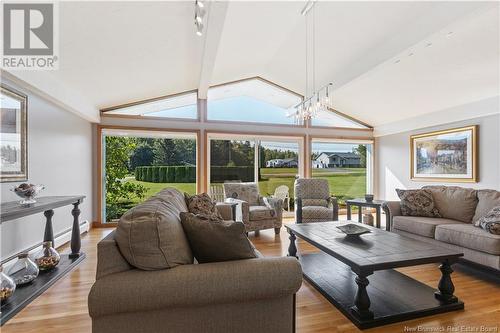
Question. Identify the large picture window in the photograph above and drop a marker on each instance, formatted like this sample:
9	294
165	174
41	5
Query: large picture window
136	165
346	166
272	162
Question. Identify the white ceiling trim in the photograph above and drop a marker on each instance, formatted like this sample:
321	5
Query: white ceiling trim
55	91
482	108
216	17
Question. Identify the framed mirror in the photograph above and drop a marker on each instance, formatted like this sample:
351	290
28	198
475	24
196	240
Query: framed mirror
13	135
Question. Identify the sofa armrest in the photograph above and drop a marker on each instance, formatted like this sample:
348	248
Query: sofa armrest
195	285
109	257
335	206
275	204
242	210
298	210
391	209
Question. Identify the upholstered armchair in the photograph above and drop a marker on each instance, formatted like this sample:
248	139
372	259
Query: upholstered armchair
256	212
313	202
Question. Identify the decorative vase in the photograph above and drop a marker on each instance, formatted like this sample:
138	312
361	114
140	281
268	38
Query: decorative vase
23	271
47	258
368	218
27	192
7	286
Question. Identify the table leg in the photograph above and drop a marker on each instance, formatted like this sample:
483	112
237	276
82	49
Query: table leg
378	217
362	302
360	214
445	286
292	249
76	242
348	206
48	235
387	220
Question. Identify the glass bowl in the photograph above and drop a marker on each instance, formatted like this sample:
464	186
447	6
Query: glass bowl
23	271
47	258
27	192
7	286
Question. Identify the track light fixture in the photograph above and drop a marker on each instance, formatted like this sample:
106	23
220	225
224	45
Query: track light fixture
199	12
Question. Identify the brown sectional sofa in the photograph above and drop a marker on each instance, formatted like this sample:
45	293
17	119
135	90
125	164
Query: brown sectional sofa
244	296
460	208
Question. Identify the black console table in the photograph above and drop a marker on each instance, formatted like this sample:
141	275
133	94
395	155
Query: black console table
13	210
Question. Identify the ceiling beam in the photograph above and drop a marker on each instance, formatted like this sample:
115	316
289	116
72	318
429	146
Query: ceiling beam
216	16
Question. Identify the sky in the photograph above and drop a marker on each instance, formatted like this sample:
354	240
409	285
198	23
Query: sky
249	109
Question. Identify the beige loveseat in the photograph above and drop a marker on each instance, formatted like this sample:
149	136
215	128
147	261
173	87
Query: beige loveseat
460	208
253	295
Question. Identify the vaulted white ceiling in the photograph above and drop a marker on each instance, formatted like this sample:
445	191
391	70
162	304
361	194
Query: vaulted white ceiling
117	52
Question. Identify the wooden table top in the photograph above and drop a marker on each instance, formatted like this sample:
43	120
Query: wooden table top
13	209
373	251
362	201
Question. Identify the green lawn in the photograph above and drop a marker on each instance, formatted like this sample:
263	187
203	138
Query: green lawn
154	188
345	183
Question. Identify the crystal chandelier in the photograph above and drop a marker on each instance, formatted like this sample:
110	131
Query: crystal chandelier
320	100
310	107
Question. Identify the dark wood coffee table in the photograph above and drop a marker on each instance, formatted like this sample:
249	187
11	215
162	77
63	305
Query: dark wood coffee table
340	272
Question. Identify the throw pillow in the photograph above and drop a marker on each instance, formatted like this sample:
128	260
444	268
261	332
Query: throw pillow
491	221
214	241
417	203
150	235
202	205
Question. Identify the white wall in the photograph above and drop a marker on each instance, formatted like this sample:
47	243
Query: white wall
393	157
60	157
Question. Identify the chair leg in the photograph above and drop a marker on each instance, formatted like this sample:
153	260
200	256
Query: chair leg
257	232
277	231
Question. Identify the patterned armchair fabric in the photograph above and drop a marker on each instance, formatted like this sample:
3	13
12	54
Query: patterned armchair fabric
313	202
256	212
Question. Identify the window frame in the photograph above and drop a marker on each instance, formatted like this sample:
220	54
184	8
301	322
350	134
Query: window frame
254	123
100	186
105	111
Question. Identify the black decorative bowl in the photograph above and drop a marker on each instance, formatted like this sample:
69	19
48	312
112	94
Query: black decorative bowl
353	229
369	197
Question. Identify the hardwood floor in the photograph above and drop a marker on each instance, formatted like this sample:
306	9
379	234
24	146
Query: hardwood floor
63	308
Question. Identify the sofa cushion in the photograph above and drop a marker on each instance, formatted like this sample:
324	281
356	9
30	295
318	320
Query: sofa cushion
202	204
417	203
491	221
454	202
423	226
315	202
487	200
317	212
248	192
469	236
257	213
214	241
150	235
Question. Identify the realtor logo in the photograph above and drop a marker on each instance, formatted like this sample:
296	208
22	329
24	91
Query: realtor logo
29	36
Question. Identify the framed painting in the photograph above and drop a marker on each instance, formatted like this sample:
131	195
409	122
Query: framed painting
446	156
13	135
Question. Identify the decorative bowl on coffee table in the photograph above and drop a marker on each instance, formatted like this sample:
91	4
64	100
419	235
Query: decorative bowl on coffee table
353	230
